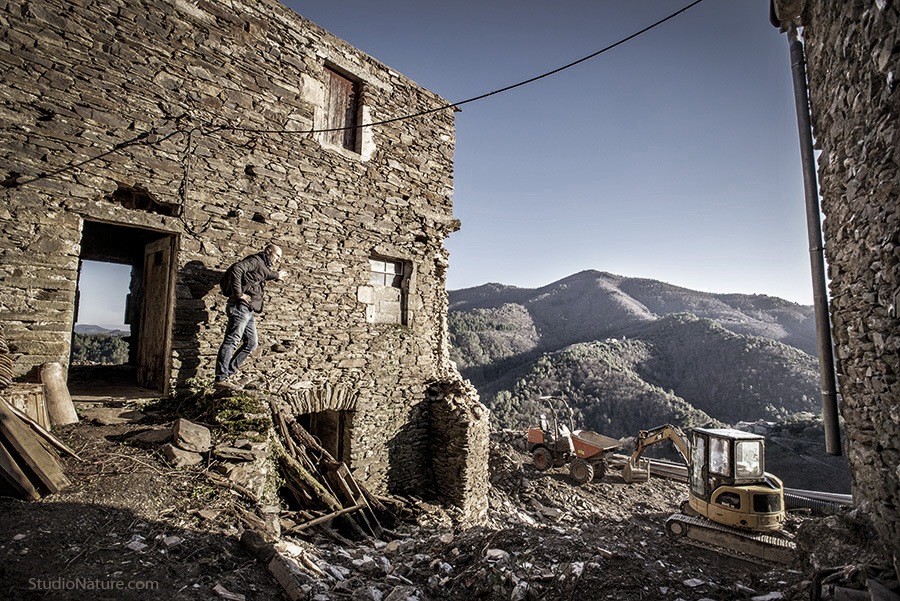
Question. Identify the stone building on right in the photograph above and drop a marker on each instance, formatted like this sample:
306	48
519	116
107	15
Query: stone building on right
853	73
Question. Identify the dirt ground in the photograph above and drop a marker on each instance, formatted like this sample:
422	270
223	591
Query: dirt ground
133	527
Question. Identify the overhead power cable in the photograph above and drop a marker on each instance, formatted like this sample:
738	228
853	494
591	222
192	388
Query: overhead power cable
581	60
453	105
147	139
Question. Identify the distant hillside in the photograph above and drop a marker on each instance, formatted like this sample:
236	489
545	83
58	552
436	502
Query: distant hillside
602	384
110	349
629	354
91	329
730	376
592	305
698	356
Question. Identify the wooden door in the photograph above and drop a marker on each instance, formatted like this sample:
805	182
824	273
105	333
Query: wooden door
154	341
341	100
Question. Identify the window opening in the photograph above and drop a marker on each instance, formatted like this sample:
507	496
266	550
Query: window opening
341	110
718	456
386	273
101	325
387	288
748	459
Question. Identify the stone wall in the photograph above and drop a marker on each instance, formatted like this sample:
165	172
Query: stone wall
460	448
177	117
853	54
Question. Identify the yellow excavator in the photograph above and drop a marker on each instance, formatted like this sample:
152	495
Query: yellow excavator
733	505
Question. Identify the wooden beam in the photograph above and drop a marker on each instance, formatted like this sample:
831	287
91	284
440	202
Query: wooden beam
344	480
24	443
43	432
15	478
324	518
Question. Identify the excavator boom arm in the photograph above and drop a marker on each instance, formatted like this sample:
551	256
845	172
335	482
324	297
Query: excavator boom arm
647	438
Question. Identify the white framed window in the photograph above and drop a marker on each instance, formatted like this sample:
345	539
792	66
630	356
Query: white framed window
385	296
386	273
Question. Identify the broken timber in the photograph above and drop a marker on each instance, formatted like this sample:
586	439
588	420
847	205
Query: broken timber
304	484
43	433
343	479
322	519
337	482
27	467
14	477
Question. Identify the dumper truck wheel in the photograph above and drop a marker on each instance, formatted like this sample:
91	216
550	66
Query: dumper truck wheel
600	470
581	471
543	458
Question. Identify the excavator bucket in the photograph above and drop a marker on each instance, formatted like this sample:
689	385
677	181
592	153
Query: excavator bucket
639	472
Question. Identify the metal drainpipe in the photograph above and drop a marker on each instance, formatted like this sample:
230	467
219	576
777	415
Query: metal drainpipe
816	250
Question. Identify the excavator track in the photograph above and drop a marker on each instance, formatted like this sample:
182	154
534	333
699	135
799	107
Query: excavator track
758	548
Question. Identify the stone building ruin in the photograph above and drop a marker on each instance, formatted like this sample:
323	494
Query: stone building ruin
165	135
853	55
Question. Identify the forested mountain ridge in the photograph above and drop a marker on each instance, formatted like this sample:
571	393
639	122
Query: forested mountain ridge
693	355
602	384
591	305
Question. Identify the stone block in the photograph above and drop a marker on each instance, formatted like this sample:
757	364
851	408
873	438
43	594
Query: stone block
179	457
191	437
152	436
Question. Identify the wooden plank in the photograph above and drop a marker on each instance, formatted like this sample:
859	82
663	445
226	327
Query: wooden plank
344	479
322	519
43	433
15	478
23	442
154	342
361	497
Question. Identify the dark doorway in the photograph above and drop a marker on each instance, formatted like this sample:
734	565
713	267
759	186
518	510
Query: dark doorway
332	431
148	307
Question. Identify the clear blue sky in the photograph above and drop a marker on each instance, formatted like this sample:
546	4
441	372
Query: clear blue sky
673	157
103	287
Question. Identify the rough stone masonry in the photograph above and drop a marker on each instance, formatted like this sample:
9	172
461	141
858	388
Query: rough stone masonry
164	134
853	51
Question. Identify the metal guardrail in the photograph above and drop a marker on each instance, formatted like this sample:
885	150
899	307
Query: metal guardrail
793	496
658	467
827	497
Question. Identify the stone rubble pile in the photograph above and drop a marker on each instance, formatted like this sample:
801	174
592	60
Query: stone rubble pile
544	539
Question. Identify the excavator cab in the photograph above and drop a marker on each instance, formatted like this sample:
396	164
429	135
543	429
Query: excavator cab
733	503
728	481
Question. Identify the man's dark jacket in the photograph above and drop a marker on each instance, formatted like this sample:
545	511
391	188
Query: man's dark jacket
248	276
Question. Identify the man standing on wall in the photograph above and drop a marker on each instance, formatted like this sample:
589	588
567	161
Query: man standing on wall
243	284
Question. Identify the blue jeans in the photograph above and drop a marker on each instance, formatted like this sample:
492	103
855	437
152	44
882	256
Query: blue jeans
240	340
